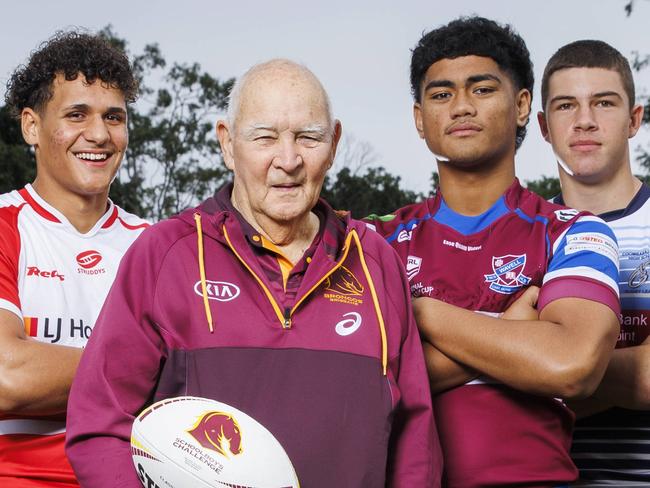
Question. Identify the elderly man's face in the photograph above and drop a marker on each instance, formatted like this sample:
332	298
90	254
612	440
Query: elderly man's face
282	145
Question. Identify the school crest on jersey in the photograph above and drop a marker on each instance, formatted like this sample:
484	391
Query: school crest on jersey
507	276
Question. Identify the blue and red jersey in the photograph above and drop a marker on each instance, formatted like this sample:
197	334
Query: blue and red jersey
491	434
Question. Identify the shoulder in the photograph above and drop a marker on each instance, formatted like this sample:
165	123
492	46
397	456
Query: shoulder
130	221
405	218
535	206
11	199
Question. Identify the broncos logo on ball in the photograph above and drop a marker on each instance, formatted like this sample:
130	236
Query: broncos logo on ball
218	431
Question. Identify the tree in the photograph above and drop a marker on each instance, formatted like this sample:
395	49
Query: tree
547	186
17	164
360	185
173	160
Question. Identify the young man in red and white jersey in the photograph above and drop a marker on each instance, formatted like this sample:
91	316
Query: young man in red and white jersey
476	254
61	240
589	116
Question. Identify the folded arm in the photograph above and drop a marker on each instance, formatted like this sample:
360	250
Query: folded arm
564	353
35	377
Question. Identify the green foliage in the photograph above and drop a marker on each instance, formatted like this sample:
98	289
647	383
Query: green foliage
547	186
17	165
375	191
173	160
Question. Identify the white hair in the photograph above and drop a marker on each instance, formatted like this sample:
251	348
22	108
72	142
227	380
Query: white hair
234	102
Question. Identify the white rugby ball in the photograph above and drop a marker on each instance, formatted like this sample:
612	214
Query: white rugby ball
187	442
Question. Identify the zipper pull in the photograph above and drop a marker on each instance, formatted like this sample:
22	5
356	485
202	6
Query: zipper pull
287	318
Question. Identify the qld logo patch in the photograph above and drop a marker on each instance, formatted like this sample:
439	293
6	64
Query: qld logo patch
508	275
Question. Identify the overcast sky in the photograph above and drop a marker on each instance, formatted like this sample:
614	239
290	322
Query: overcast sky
359	49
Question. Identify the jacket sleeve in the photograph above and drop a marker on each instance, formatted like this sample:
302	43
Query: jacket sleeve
415	456
116	376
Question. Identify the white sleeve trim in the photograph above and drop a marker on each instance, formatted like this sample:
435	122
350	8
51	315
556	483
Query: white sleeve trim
584	272
7	305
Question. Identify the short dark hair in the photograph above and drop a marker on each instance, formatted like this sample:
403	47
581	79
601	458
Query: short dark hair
69	53
588	53
475	36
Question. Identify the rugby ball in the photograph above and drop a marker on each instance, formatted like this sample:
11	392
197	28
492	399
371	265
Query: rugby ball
187	442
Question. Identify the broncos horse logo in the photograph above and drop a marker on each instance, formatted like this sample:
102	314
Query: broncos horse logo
218	431
343	282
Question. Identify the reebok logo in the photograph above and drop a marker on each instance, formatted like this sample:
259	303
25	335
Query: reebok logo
34	271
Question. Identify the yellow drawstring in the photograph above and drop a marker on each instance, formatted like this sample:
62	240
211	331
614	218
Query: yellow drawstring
375	301
204	288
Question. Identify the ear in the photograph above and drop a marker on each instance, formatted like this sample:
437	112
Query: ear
336	137
636	118
225	141
523	107
543	125
417	117
29	124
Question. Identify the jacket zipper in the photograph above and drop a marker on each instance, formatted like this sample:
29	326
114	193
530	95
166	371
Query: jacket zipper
285	318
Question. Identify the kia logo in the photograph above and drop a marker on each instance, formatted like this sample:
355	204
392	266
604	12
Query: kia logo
218	290
88	259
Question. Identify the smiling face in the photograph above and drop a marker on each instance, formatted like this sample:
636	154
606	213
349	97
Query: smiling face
470	111
282	144
588	121
79	138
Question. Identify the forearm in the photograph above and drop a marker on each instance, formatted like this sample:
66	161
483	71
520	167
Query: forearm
35	377
546	357
626	382
445	373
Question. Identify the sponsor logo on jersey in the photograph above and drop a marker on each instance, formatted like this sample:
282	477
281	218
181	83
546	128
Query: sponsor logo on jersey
462	247
404	235
640	275
218	431
343	287
565	214
413	264
34	271
348	326
54	329
592	242
88	261
507	276
217	290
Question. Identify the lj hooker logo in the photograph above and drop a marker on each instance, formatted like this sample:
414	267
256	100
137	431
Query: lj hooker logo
218	431
343	287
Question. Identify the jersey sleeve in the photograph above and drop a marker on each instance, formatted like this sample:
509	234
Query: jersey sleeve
584	264
9	257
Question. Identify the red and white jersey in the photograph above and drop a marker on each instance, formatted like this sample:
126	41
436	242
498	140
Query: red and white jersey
55	279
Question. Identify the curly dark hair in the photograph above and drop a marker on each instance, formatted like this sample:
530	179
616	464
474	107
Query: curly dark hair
475	36
68	53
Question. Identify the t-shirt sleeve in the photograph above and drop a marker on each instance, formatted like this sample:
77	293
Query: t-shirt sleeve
583	264
9	256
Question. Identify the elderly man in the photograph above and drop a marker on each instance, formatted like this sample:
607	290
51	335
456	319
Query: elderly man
305	314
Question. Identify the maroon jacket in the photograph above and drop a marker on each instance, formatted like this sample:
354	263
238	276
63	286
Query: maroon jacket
311	372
